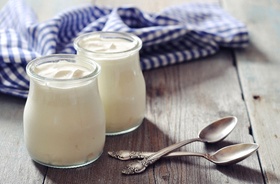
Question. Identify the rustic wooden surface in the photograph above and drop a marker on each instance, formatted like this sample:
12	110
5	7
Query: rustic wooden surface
259	71
181	100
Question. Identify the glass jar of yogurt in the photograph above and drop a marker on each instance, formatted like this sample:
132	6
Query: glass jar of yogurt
121	82
64	120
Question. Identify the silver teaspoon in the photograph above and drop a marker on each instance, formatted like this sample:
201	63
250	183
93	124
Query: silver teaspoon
224	156
212	133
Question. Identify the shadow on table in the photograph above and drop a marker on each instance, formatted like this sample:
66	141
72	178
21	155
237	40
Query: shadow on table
240	172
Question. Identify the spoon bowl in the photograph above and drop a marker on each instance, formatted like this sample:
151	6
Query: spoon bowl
218	130
232	154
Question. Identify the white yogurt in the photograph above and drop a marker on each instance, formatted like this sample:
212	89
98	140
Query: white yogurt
121	82
64	122
97	43
62	70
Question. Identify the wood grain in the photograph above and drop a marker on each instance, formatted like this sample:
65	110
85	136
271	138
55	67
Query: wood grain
259	68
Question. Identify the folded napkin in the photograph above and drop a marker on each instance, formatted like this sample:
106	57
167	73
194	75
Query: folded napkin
177	34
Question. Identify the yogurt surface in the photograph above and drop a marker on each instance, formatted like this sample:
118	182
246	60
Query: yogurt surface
97	43
62	70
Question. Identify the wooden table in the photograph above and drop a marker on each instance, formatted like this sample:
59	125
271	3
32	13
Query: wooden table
181	100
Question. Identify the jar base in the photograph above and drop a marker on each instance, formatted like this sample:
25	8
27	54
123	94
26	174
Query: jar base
124	131
68	166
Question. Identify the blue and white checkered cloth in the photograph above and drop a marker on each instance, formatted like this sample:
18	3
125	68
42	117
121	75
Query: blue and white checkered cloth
177	34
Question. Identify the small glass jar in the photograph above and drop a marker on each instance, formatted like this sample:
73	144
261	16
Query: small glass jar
121	82
64	120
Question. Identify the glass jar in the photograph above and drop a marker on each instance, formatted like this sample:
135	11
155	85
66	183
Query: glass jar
64	121
121	82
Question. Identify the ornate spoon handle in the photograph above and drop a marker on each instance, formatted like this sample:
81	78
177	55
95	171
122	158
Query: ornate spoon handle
140	166
129	155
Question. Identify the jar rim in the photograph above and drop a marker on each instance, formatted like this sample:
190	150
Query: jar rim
109	34
59	57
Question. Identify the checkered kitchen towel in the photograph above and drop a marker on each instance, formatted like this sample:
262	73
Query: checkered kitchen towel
177	34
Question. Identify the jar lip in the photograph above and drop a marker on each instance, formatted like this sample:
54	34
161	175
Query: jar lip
59	57
109	34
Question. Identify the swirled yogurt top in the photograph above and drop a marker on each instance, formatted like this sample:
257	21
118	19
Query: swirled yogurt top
96	43
62	70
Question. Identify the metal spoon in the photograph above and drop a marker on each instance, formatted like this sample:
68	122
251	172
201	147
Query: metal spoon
224	156
214	132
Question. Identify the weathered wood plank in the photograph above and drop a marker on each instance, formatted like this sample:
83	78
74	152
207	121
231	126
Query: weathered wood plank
259	68
15	163
195	94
